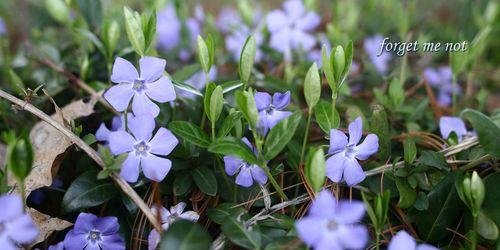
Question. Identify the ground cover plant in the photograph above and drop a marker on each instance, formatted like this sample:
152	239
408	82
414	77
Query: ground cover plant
302	124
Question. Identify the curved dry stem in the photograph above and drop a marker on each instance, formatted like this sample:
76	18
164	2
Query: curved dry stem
124	186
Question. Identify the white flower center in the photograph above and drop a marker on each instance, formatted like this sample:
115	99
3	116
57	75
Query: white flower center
350	151
141	148
139	85
332	225
94	237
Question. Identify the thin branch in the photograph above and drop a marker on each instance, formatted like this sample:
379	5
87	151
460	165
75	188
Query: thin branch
89	151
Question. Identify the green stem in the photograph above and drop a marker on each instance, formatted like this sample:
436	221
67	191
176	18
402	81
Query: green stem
306	134
275	184
334	101
474	234
23	192
377	240
203	118
213	131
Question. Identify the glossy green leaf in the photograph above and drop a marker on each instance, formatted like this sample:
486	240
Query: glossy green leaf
86	191
205	180
185	235
312	86
407	195
206	98
190	132
187	88
488	132
229	122
216	102
219	213
241	236
57	10
338	62
247	58
410	150
280	135
433	159
315	170
246	104
20	157
323	115
182	183
486	227
203	55
234	147
380	127
133	27
327	67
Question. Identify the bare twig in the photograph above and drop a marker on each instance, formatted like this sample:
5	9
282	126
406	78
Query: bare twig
89	151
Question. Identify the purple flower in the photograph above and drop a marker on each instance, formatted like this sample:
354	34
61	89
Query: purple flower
150	84
16	227
333	225
143	148
247	173
271	109
449	124
228	20
237	37
402	240
168	28
58	246
372	48
3	27
344	161
118	123
290	28
91	232
168	217
441	79
315	54
197	80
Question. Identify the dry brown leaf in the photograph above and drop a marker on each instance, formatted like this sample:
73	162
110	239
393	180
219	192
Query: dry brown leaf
46	224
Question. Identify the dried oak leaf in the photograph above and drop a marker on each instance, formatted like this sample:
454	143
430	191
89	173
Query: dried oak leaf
46	224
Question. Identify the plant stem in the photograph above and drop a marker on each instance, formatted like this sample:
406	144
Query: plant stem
377	240
474	234
23	192
275	184
213	131
334	101
306	134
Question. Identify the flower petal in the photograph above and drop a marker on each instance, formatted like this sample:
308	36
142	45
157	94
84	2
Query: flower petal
164	213
74	240
151	68
130	168
112	242
190	216
84	223
350	212
280	101
155	168
258	174
22	229
355	131
120	142
119	96
335	167
323	206
153	239
308	22
142	127
107	225
276	20
178	209
163	142
123	71
338	141
426	247
368	147
102	133
12	205
142	105
232	164
262	100
402	240
276	116
354	236
280	41
6	243
448	124
294	9
162	90
307	229
353	173
244	178
302	40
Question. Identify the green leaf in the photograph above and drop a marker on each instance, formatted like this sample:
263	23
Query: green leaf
410	150
488	132
187	88
327	67
246	104
92	11
492	197
241	236
230	86
280	135
380	127
211	48
86	191
486	227
433	159
458	61
182	183
93	38
110	36
396	92
219	214
20	157
247	58
338	62
323	115
205	180
133	27
190	132
57	10
149	29
312	86
216	102
233	147
407	195
229	122
349	52
206	98
185	235
203	55
315	168
444	211
421	203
